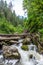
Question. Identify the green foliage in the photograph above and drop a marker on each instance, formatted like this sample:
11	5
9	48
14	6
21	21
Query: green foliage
19	29
6	11
9	22
41	31
35	14
5	26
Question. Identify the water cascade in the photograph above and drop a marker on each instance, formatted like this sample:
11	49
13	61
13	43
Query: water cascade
30	57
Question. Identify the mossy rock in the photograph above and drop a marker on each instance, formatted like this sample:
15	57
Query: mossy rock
25	47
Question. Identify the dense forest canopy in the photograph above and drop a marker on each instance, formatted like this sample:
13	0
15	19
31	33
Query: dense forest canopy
11	23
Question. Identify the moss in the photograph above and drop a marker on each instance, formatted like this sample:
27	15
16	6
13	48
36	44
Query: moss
24	47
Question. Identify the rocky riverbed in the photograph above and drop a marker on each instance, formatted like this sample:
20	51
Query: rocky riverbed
23	51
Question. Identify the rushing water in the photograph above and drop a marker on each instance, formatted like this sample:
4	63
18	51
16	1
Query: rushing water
36	58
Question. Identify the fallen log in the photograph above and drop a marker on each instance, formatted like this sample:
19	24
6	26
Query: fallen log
14	35
9	38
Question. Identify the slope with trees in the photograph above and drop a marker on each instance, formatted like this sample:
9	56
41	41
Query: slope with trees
34	9
9	22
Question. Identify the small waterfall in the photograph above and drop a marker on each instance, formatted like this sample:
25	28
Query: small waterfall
32	47
30	57
25	60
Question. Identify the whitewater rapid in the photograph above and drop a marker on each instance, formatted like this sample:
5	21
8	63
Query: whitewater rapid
37	59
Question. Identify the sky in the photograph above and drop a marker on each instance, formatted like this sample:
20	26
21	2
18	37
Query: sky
17	6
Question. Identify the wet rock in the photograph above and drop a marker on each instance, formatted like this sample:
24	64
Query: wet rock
1	63
30	56
10	52
25	47
35	55
26	41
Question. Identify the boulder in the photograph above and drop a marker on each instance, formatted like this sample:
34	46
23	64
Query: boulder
10	52
26	41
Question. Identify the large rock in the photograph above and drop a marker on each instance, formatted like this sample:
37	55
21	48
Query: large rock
10	52
26	41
